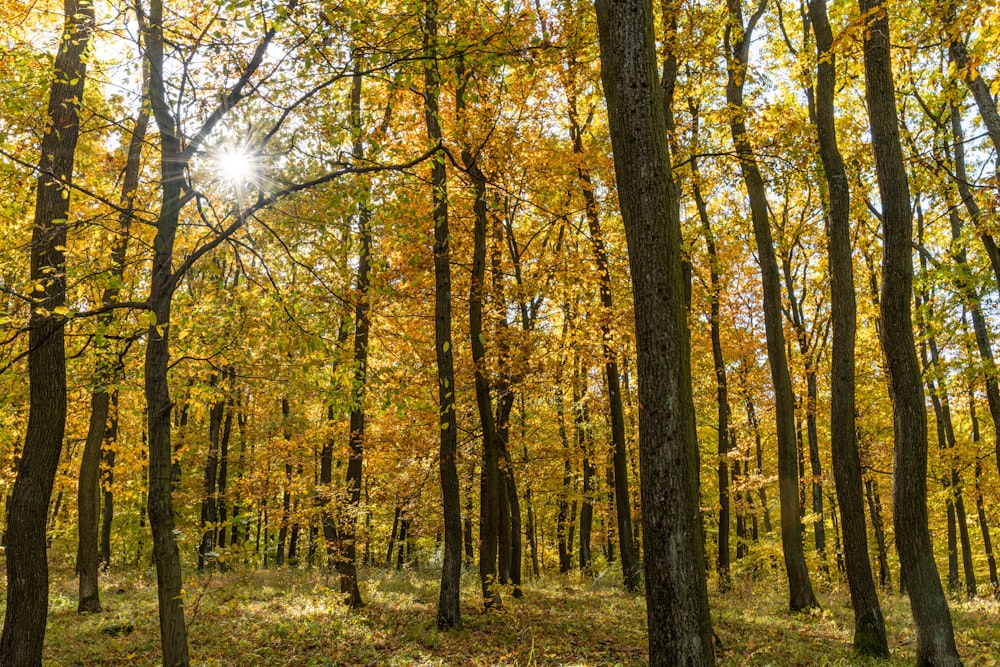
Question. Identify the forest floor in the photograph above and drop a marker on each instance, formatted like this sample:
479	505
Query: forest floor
293	617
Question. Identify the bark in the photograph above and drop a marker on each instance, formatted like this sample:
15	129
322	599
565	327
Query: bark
737	38
467	524
286	488
581	427
980	505
108	452
509	484
490	492
510	523
392	536
878	527
26	558
680	631
105	374
562	518
869	624
223	482
448	614
935	636
347	563
209	506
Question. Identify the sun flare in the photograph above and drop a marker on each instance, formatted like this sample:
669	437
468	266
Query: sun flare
234	165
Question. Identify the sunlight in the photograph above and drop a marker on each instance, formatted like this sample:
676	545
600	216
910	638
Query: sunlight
235	165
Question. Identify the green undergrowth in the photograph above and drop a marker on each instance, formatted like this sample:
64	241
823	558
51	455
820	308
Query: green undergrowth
295	618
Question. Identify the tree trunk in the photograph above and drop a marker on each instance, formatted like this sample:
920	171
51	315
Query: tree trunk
286	489
347	562
105	375
27	564
718	361
108	451
878	527
678	620
935	636
490	492
223	482
509	484
209	507
869	624
448	614
737	51
980	506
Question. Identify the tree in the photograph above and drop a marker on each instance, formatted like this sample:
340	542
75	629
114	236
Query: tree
676	592
935	636
99	445
449	614
869	624
27	509
738	38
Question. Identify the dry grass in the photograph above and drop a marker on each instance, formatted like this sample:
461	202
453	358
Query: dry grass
295	618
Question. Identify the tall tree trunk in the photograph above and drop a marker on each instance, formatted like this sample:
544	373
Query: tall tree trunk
878	527
512	519
209	507
980	506
286	487
223	482
718	360
935	636
563	539
987	105
581	423
869	624
27	564
108	452
105	375
490	490
678	619
448	614
737	39
467	523
347	562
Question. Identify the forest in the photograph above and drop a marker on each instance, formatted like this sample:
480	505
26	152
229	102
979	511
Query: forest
468	332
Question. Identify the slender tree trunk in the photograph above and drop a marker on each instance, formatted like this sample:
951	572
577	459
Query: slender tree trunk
89	493
347	563
448	614
980	506
678	619
935	636
392	536
27	564
209	507
869	624
512	518
738	38
223	481
718	361
467	524
490	491
563	540
878	527
108	451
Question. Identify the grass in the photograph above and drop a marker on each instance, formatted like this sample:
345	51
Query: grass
295	618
